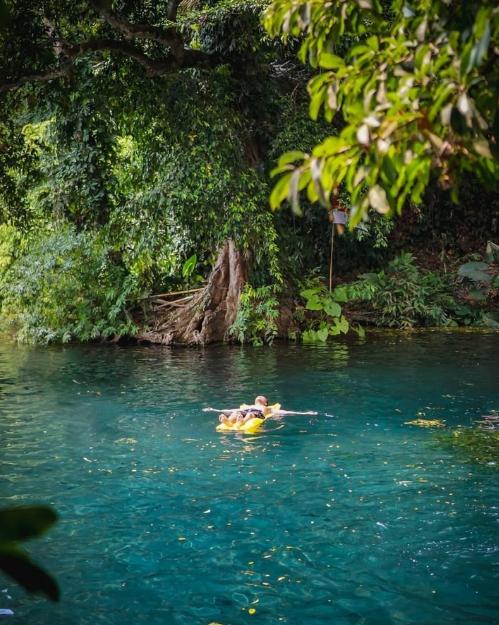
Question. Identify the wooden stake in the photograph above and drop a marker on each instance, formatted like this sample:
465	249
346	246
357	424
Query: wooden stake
331	259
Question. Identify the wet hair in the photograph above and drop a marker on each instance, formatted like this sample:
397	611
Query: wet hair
261	399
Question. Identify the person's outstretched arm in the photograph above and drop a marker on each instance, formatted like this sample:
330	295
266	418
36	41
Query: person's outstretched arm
224	411
285	412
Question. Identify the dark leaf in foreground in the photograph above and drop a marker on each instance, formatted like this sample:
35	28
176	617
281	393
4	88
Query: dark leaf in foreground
17	565
25	522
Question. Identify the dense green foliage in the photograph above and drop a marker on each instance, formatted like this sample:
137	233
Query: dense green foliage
153	142
116	179
256	320
64	287
327	318
415	84
403	296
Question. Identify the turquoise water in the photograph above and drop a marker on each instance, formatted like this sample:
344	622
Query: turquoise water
348	518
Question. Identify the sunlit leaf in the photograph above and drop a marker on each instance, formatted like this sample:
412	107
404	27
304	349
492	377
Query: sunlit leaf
332	308
378	200
330	61
280	191
291	157
189	266
322	334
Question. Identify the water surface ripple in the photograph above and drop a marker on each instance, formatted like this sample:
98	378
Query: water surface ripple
348	518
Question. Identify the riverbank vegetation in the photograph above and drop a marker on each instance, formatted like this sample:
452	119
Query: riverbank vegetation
139	146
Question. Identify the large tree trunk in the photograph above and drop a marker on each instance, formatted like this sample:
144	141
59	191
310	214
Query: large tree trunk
208	317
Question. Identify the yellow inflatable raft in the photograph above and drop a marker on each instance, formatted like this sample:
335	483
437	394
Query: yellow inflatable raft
250	427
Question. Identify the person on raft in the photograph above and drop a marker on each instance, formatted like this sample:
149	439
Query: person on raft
259	410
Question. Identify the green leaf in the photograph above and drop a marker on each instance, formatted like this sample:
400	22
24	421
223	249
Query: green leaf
475	271
372	278
280	191
330	61
482	32
291	157
491	319
314	304
308	293
322	334
189	266
15	563
316	100
331	308
343	325
441	95
340	294
479	295
25	522
361	333
309	336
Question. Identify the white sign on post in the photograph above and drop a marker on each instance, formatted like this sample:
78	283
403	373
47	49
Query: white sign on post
339	217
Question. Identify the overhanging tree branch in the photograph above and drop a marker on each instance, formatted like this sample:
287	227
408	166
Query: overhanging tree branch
169	38
50	74
153	67
177	56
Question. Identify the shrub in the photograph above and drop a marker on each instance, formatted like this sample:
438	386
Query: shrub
10	240
256	320
480	281
403	297
327	318
65	287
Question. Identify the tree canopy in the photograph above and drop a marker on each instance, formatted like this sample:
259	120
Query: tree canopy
43	41
113	175
411	87
137	138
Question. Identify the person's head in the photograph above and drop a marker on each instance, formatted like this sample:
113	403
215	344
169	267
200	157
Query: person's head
261	400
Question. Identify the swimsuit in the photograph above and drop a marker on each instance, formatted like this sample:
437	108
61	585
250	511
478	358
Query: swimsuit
254	412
